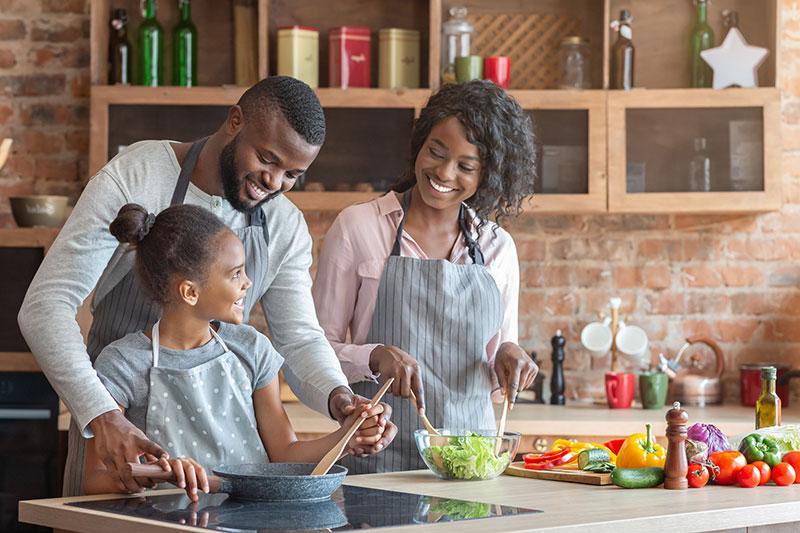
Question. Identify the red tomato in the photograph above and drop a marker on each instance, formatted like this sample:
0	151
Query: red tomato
764	469
749	477
793	458
729	464
697	476
783	474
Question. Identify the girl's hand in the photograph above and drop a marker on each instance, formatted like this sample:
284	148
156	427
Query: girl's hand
363	437
189	475
369	435
515	370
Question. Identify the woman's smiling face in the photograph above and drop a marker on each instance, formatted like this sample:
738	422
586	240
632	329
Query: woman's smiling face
448	166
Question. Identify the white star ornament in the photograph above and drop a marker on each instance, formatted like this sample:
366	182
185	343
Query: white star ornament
735	62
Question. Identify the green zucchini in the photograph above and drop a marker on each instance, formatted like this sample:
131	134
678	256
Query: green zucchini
637	478
592	455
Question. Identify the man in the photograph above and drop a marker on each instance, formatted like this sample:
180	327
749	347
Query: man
267	142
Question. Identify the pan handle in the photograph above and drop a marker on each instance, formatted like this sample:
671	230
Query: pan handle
215	483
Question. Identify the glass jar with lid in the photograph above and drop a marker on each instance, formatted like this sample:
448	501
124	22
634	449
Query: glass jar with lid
456	39
574	63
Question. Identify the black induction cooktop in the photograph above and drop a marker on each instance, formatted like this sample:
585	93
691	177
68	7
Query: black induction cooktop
349	508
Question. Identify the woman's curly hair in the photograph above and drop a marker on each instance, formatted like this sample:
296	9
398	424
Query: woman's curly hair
502	131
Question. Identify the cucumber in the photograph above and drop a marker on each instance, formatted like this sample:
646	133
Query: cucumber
592	455
637	478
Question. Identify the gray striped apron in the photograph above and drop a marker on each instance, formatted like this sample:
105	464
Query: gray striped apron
442	314
121	306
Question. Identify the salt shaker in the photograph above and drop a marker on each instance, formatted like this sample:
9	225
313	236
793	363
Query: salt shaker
677	466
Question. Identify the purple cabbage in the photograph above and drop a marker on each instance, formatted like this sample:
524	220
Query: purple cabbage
711	435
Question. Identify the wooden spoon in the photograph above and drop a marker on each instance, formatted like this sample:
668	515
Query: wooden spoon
502	428
425	421
333	455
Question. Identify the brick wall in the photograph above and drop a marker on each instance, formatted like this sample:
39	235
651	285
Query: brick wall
735	278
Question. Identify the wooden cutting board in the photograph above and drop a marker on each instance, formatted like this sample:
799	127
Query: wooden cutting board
571	476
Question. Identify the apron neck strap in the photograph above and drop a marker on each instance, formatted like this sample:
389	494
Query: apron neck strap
179	194
156	337
473	249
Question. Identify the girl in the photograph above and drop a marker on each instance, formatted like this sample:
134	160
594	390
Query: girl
200	383
425	285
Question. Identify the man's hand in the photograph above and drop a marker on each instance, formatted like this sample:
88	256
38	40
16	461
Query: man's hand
392	362
342	403
515	370
118	442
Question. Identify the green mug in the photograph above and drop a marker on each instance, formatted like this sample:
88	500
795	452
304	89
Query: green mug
469	68
653	389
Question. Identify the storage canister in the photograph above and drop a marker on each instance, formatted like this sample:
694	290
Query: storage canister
398	54
298	54
349	57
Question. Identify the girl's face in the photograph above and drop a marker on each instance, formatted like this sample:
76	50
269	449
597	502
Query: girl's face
221	297
448	167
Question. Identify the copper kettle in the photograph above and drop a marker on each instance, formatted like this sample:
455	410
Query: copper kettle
695	378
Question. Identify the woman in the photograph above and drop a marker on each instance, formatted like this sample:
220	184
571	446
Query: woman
426	286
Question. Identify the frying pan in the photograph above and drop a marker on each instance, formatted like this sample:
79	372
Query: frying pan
273	482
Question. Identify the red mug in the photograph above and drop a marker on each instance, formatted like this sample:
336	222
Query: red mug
498	70
620	387
750	382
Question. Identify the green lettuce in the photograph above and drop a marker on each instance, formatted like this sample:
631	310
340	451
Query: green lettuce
469	457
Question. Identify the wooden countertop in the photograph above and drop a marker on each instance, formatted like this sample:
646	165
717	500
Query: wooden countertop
573	420
566	507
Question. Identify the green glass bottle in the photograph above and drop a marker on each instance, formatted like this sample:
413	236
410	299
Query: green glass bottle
151	47
768	406
184	48
702	39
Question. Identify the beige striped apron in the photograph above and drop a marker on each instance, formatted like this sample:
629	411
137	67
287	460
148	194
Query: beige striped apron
442	314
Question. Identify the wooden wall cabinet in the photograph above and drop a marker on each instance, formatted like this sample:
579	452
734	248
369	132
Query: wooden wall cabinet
593	142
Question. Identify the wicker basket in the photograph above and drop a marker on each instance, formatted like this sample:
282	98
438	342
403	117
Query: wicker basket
532	42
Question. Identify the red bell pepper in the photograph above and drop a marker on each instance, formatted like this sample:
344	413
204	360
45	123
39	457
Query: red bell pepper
614	445
548	460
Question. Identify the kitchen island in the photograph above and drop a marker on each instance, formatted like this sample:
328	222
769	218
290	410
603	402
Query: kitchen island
564	507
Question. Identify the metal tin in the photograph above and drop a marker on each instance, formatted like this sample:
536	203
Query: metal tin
298	54
349	57
399	58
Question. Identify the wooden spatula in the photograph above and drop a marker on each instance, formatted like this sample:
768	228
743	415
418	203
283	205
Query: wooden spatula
502	428
425	421
332	456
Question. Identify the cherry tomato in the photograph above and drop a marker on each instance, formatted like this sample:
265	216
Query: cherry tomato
765	470
783	474
793	458
729	464
697	476
749	477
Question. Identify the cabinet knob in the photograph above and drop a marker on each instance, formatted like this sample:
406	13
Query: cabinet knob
540	444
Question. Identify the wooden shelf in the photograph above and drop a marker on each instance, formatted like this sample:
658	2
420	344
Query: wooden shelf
18	362
329	201
28	237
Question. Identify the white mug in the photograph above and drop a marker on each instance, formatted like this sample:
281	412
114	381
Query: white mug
596	338
632	342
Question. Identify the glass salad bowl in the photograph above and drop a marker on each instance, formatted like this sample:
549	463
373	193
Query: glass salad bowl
467	455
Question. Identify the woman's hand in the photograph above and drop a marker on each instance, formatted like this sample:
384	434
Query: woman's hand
189	475
392	362
515	370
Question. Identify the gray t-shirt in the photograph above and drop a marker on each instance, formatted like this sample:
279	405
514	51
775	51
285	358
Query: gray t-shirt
124	365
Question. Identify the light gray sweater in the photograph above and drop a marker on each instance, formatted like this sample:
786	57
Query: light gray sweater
146	173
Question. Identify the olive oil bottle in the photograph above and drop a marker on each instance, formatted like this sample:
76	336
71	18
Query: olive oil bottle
768	406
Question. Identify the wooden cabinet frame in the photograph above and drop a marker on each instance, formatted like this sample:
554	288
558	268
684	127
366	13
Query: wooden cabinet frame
620	201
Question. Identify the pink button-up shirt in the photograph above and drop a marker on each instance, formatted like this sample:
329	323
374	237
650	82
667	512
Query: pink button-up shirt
354	253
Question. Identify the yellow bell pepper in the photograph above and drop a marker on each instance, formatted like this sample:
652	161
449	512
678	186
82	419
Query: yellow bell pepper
639	451
577	447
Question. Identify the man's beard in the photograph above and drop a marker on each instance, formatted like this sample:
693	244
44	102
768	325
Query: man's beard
232	184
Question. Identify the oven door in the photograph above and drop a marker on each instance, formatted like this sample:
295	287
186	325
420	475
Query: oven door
29	465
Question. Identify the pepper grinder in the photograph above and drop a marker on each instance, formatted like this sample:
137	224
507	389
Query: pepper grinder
557	379
676	466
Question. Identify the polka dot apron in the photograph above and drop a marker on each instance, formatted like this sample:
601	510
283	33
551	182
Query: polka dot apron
205	412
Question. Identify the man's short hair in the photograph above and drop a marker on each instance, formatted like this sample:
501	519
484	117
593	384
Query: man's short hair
296	100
